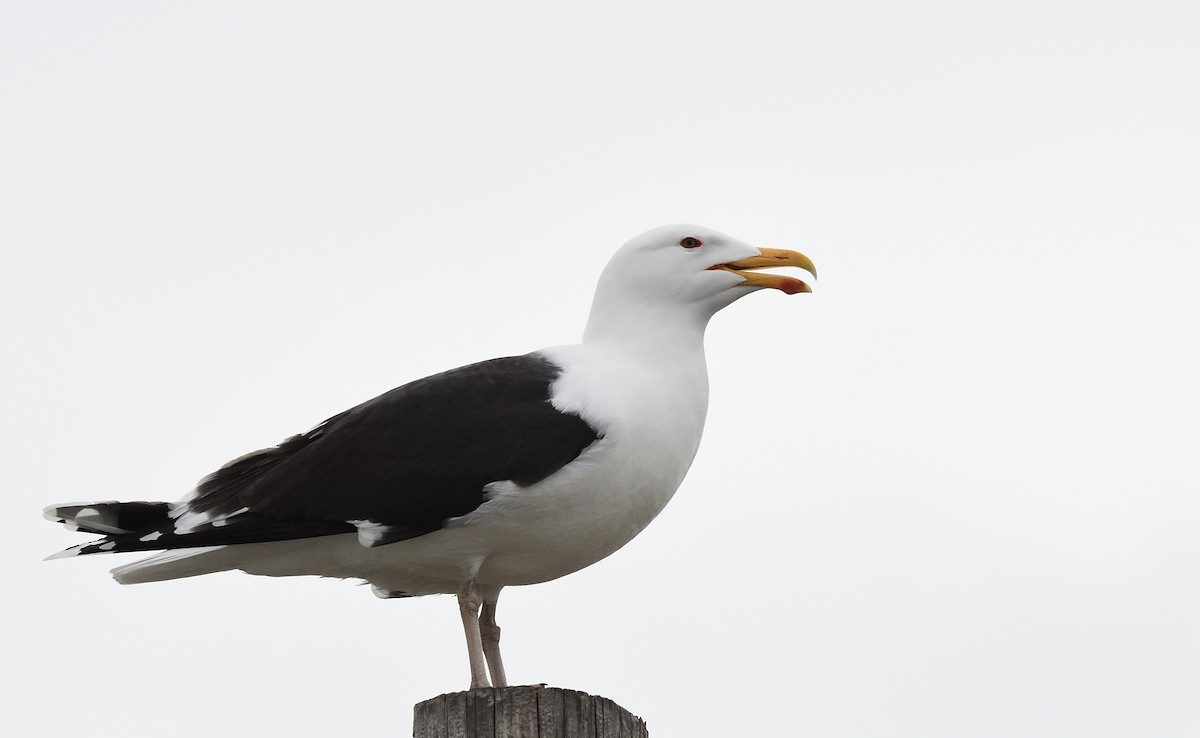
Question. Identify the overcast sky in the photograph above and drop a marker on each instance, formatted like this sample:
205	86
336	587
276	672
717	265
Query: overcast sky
954	492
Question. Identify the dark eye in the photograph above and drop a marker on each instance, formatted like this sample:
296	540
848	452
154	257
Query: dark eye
691	242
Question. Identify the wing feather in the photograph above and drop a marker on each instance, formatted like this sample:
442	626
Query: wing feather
400	464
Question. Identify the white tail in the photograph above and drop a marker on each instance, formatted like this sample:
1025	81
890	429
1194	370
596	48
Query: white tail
178	564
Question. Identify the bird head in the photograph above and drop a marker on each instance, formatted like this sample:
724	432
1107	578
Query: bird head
684	274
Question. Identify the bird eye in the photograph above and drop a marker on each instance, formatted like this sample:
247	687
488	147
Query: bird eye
691	242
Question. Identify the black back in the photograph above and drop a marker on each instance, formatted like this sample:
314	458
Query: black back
407	460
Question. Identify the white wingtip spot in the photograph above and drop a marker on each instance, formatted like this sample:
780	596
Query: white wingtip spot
151	536
54	512
370	533
223	521
190	521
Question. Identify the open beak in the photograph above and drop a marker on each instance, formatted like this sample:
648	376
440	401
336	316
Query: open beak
771	258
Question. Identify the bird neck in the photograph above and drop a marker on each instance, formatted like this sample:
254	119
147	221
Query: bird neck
656	333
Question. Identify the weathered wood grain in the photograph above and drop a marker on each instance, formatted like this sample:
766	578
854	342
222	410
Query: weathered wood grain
516	712
551	723
524	712
460	715
580	713
431	717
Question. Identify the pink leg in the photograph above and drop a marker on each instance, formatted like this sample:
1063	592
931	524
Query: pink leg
490	636
468	607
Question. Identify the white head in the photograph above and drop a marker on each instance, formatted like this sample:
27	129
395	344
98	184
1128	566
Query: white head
673	279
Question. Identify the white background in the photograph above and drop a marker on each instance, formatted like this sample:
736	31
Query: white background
951	493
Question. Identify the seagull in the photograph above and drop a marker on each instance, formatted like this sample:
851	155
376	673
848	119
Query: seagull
508	472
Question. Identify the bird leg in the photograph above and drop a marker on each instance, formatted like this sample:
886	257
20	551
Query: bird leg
468	607
490	636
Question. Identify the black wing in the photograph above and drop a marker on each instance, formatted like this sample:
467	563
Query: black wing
406	461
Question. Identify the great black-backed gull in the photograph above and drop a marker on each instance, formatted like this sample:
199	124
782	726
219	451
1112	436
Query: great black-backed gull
511	471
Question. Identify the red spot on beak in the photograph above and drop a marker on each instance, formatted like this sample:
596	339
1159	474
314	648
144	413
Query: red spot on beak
792	286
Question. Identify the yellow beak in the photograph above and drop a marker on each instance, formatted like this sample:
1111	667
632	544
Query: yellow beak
772	258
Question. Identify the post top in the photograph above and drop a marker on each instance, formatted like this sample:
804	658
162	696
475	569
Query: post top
522	712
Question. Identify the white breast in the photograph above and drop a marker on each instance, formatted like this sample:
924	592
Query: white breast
651	419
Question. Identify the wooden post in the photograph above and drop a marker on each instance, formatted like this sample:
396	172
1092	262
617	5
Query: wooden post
524	712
